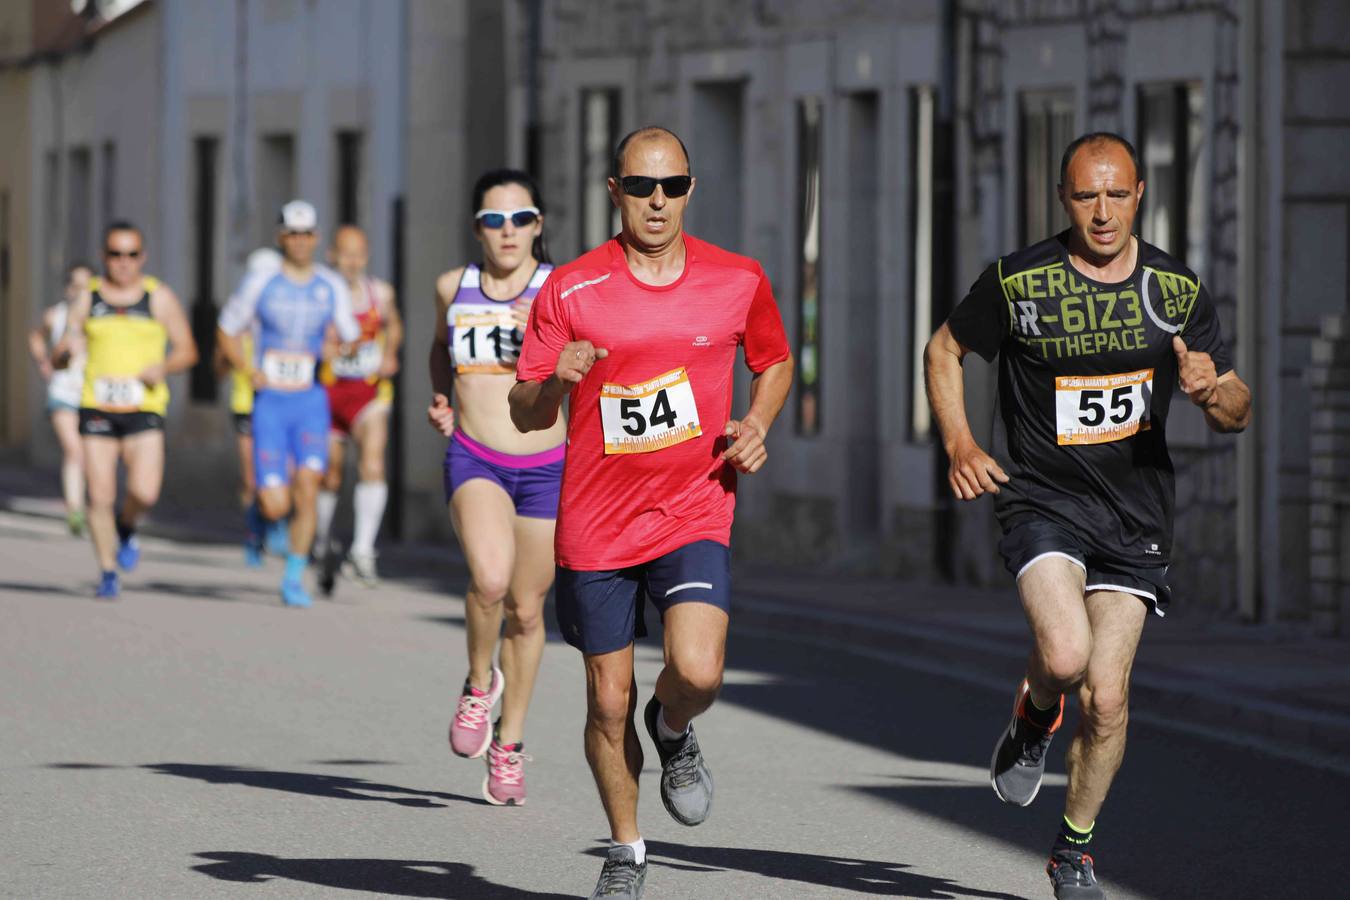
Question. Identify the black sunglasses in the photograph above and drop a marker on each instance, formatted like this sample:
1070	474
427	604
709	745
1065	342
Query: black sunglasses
643	185
120	254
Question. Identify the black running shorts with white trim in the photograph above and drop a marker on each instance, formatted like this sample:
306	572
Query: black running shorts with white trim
1029	538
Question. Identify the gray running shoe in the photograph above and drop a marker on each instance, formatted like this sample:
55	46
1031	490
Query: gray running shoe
1071	874
686	783
622	877
363	568
1018	764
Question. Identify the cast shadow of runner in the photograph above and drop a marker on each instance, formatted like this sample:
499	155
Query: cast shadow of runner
863	876
392	877
337	787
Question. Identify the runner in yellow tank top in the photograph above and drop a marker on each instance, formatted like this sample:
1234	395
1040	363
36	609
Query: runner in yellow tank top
134	334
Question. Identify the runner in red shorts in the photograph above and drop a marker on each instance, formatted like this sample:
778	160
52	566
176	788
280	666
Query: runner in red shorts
641	335
359	398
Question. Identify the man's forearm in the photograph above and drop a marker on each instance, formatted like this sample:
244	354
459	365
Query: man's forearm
535	404
768	392
1232	408
944	382
234	355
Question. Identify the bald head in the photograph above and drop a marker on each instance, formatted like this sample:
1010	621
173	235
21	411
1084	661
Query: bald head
352	238
351	252
652	137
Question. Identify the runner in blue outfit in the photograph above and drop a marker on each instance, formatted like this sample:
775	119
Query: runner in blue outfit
293	314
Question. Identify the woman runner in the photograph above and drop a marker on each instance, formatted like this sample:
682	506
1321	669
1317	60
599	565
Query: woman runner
501	485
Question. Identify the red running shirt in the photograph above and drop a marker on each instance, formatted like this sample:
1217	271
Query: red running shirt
641	478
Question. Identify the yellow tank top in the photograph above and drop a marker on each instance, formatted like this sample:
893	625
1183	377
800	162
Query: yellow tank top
122	341
241	387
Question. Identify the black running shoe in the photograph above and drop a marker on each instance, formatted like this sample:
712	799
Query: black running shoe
686	783
1071	874
621	878
1018	764
329	564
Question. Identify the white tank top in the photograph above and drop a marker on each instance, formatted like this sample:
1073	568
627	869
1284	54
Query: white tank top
67	384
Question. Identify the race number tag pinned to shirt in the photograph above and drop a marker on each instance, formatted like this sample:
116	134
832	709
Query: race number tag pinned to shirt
363	362
650	416
118	394
287	371
485	342
1098	409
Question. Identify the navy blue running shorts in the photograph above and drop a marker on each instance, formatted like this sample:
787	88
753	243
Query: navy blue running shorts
600	612
1029	538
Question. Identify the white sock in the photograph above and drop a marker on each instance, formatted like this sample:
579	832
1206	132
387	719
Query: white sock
665	732
639	849
72	486
325	508
369	500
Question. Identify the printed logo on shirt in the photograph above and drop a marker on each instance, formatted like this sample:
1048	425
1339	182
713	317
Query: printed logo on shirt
702	341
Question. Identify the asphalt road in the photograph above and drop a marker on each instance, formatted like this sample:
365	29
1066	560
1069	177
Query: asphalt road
196	739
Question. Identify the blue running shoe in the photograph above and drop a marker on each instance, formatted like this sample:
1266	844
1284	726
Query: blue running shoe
129	554
108	587
278	537
293	584
293	593
253	554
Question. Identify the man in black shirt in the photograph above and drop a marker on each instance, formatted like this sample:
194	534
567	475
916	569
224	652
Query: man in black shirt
1094	330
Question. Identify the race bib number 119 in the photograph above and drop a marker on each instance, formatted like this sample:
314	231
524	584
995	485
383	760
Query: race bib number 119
650	416
1098	409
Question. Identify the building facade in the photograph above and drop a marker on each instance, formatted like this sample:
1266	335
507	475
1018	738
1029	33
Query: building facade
874	156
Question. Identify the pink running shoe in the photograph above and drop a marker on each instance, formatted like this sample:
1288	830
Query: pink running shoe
470	731
505	781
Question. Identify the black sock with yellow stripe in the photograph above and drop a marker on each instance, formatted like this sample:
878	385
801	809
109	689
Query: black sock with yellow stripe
1071	837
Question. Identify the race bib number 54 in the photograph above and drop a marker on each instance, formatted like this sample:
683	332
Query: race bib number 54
656	414
1098	409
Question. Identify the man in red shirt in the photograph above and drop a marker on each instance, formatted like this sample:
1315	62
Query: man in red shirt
640	334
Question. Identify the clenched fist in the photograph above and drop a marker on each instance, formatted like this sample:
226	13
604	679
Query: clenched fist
576	360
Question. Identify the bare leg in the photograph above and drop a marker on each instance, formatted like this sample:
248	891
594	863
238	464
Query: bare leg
483	517
1052	598
523	641
372	436
66	424
100	459
1099	745
247	483
695	650
612	746
143	455
305	491
275	502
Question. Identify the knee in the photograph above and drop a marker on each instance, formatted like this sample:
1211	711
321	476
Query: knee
526	617
274	504
144	497
332	480
1064	661
1105	706
697	676
490	589
372	467
608	707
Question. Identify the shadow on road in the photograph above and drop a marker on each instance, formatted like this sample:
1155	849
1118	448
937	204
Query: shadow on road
226	590
337	787
392	877
864	876
20	587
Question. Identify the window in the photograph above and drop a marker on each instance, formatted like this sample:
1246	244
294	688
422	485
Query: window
205	156
1046	129
922	171
349	158
276	183
109	186
79	229
810	112
599	135
54	263
716	147
1171	150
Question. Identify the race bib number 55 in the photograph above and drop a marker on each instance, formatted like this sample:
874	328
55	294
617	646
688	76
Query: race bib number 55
1098	409
656	414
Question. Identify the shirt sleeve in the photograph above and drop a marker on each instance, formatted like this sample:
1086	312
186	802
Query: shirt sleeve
237	314
765	340
548	331
980	321
1201	331
344	319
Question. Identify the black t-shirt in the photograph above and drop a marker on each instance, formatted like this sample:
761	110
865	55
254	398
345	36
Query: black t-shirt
1086	375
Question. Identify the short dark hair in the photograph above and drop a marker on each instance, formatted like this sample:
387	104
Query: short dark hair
121	225
496	178
1097	137
616	164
